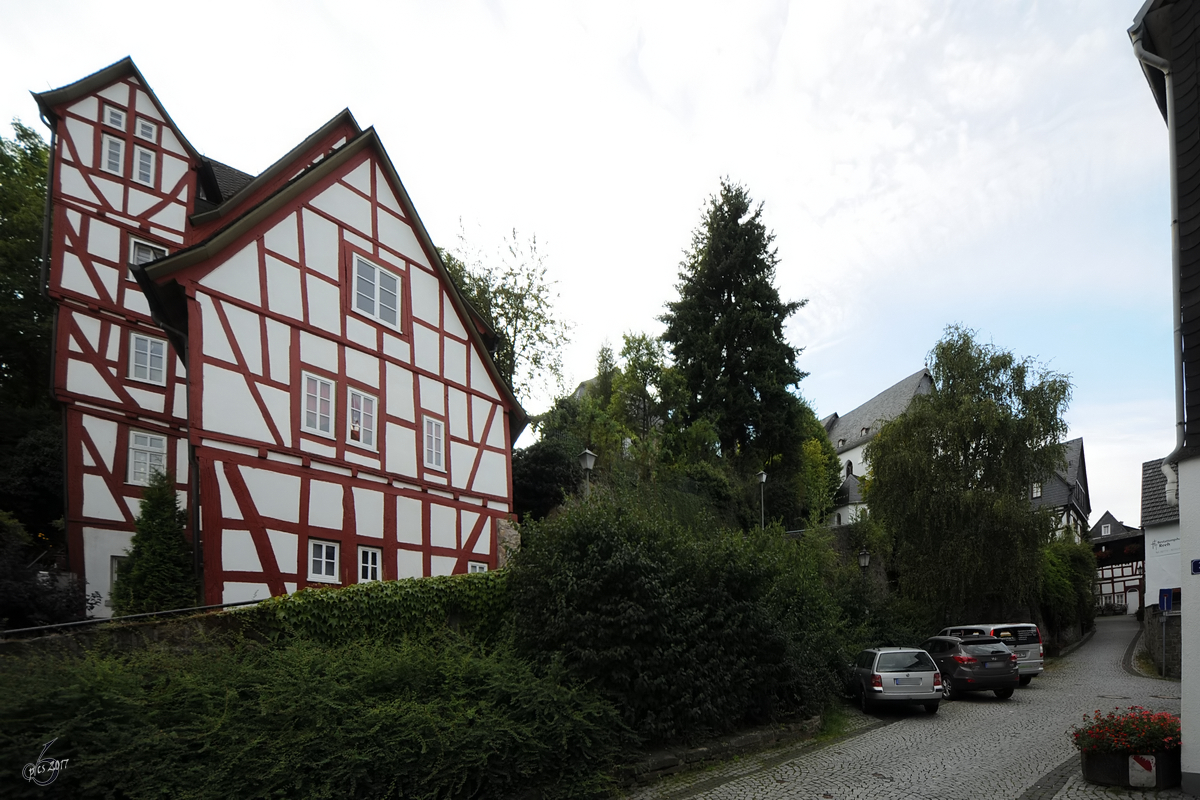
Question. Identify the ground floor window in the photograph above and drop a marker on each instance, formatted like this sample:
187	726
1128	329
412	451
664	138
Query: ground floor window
368	564
323	564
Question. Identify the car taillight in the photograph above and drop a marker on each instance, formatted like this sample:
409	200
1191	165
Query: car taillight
877	681
966	659
937	679
1012	657
1040	652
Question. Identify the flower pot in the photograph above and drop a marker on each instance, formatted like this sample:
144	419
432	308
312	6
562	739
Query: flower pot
1132	771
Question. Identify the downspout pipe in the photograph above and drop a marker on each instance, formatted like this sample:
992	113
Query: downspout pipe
1162	65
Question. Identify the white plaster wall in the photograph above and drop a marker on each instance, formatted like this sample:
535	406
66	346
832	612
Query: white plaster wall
342	204
284	238
275	494
98	502
320	244
368	512
99	545
443	526
442	565
82	378
492	477
325	504
426	353
410	564
238	553
283	289
228	406
286	548
104	241
401	444
481	380
237	277
408	520
237	592
279	349
1189	530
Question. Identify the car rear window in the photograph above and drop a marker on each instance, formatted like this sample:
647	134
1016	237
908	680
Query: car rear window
913	661
985	649
1020	634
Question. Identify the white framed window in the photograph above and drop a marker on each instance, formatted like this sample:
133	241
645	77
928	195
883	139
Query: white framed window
146	129
376	292
368	564
114	567
1037	490
323	561
143	165
147	455
1105	529
147	359
318	405
114	117
434	444
143	252
476	566
112	154
360	427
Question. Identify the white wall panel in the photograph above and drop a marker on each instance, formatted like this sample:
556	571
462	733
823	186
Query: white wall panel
492	477
467	520
74	221
88	326
229	407
318	351
363	457
173	170
238	553
481	379
400	237
279	406
237	276
362	367
153	401
455	368
401	450
383	192
139	202
456	402
73	185
274	494
409	519
325	504
80	134
116	337
284	238
433	395
360	177
98	501
496	432
135	301
426	296
286	547
362	242
229	503
397	348
103	434
342	204
368	512
279	351
237	592
363	333
145	106
443	526
179	407
181	461
480	409
75	278
483	545
324	305
450	319
117	93
320	244
400	393
99	546
247	333
82	378
111	192
109	277
171	142
462	458
104	241
88	108
426	349
410	564
283	289
173	216
442	565
315	447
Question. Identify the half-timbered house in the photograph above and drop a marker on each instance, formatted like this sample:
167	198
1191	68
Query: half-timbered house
288	345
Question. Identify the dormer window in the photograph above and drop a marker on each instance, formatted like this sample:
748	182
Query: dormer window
1105	529
1036	491
146	130
849	469
376	292
841	442
864	431
114	117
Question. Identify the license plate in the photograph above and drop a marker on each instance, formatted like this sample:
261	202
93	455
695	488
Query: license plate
993	664
908	681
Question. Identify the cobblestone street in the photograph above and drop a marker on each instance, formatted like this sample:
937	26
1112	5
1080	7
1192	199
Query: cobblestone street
974	747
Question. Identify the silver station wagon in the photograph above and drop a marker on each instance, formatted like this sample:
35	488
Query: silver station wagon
896	675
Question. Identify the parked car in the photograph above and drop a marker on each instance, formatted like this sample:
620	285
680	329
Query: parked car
1023	637
974	664
896	675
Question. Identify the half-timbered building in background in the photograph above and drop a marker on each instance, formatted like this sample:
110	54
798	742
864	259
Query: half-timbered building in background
288	345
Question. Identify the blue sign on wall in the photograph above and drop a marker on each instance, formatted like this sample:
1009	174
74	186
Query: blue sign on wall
1196	566
1164	599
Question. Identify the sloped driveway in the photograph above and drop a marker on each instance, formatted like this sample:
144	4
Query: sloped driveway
974	747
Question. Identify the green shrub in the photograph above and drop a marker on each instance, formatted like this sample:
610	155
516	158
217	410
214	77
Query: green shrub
686	629
158	575
431	718
1068	586
475	604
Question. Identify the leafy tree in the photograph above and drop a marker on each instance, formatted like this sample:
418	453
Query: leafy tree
26	317
158	575
949	478
515	294
727	340
28	598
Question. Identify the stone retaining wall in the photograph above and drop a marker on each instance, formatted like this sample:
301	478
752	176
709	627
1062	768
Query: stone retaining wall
1152	629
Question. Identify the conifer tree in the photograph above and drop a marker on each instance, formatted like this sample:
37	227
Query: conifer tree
158	575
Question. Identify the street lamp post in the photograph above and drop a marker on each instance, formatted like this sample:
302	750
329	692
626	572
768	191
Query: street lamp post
762	516
587	460
864	559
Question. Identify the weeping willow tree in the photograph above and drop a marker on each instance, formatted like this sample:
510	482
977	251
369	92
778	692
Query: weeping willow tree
950	479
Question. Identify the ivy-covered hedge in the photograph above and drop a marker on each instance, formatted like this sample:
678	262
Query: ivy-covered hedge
474	604
435	717
1068	586
685	628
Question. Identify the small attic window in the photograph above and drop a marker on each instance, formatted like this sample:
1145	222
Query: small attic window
114	117
841	442
146	130
1036	490
864	431
1105	529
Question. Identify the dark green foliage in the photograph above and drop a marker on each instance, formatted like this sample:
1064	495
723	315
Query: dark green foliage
543	474
475	604
158	575
31	477
1068	596
950	479
26	317
26	600
686	629
429	718
726	334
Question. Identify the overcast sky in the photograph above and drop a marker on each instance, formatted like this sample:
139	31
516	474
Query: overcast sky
1000	165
